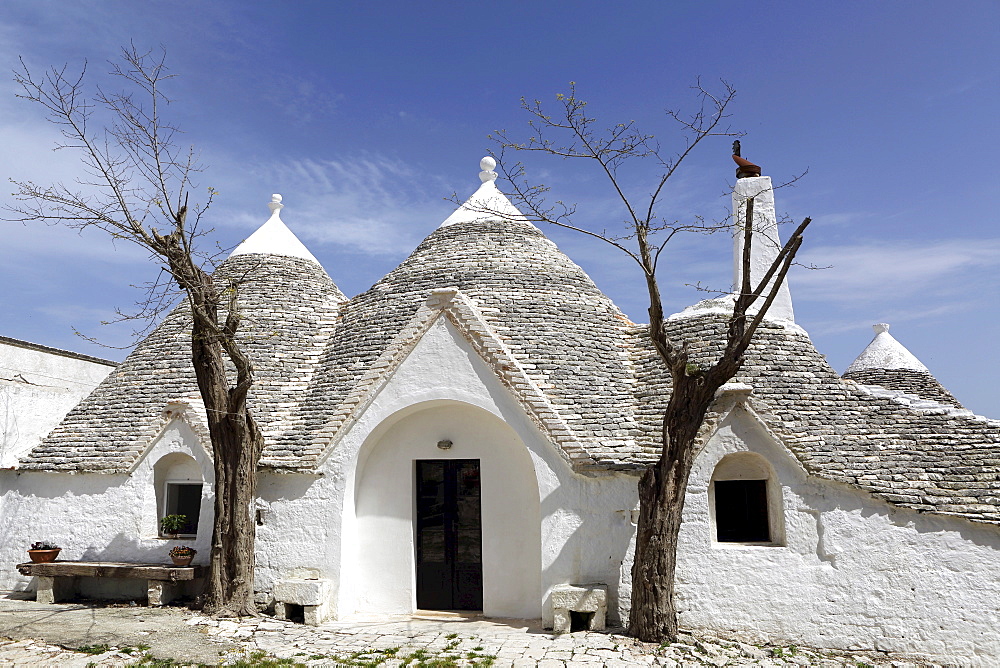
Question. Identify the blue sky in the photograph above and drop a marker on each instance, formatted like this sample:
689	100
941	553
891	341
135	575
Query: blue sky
365	116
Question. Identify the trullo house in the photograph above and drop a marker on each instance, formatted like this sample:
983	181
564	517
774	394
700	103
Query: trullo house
468	434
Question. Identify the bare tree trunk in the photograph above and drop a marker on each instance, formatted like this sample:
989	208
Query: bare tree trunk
146	181
237	445
653	616
236	440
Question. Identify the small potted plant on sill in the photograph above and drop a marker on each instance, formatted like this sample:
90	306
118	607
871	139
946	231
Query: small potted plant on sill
171	525
182	555
43	552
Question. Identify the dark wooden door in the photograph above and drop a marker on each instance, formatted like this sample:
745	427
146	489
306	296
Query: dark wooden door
449	535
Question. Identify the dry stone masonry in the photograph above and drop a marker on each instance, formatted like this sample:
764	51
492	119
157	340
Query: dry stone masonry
884	492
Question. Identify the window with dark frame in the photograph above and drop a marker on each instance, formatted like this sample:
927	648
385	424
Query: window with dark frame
184	499
741	513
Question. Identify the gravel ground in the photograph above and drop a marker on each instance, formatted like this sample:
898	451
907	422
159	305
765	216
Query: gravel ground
33	634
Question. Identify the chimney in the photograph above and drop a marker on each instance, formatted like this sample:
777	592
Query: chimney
765	241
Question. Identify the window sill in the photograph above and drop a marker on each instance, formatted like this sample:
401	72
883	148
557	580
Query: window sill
180	536
726	545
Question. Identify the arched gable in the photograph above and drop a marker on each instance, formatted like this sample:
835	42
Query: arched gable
451	305
381	558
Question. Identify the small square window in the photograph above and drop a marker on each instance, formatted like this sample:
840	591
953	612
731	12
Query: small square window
741	511
184	499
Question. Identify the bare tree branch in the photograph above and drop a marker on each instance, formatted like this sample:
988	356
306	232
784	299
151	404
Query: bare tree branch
138	188
644	237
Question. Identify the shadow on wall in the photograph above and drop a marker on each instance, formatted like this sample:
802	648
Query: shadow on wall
131	550
279	486
978	533
594	532
50	485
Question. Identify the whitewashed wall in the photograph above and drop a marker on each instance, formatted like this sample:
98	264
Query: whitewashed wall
849	570
98	517
37	388
384	510
444	390
569	528
853	572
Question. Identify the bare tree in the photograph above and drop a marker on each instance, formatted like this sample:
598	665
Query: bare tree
139	182
645	233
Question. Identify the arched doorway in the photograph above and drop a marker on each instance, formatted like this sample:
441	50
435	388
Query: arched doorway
418	485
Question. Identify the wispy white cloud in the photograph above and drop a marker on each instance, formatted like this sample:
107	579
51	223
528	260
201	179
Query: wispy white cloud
842	219
371	204
305	99
898	314
898	271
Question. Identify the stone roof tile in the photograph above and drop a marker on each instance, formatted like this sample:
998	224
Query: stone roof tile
570	339
942	460
289	307
603	389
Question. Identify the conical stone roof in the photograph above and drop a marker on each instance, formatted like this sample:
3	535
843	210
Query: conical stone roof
289	306
930	460
571	339
596	370
887	363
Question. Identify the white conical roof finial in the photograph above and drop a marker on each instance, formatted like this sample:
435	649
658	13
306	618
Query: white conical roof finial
274	237
487	203
275	205
487	164
885	352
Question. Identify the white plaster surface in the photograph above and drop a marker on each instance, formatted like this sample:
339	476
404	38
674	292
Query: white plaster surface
844	569
299	536
885	352
99	517
765	244
37	389
444	390
851	572
510	510
487	203
274	238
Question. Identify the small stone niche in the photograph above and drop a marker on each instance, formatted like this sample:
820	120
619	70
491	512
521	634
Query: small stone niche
579	607
293	612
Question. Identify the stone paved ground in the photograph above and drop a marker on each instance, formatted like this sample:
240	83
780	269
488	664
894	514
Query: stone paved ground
431	640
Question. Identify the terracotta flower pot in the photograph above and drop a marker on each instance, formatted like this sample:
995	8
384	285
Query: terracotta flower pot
182	561
44	556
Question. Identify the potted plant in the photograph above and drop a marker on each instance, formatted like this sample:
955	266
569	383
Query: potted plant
182	555
43	552
172	524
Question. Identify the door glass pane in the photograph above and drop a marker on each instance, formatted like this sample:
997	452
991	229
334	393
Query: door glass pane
432	545
449	535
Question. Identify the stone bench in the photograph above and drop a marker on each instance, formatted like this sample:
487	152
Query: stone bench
310	597
57	579
580	607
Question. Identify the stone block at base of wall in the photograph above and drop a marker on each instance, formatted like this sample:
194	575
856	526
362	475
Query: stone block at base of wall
589	601
312	595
